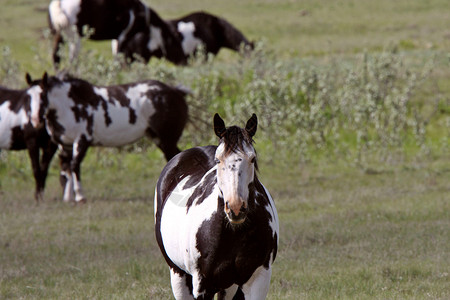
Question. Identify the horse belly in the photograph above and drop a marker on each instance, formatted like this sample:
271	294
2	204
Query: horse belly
119	132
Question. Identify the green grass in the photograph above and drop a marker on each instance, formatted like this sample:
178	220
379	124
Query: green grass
358	220
344	233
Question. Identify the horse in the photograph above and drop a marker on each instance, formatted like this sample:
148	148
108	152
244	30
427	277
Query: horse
19	131
193	30
215	222
79	115
116	20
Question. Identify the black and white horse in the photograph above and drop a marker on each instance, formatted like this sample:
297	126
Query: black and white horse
19	131
193	30
137	29
215	223
117	20
79	114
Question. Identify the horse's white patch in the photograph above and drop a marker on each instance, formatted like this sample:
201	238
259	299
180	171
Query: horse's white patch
63	14
190	42
114	47
274	223
8	120
102	92
179	228
257	286
156	40
179	195
71	8
179	288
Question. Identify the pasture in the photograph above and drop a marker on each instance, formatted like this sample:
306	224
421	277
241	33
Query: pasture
353	100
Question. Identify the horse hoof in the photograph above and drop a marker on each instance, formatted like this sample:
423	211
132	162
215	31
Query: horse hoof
81	201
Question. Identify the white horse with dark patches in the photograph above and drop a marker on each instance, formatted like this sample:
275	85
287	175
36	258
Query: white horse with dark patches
117	20
19	130
194	30
79	115
215	223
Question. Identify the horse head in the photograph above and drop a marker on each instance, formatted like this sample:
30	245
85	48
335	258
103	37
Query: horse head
236	164
38	98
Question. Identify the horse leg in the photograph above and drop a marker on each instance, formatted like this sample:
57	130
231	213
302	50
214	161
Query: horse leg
73	39
80	148
257	286
229	293
65	177
57	41
167	144
114	47
181	285
33	152
47	154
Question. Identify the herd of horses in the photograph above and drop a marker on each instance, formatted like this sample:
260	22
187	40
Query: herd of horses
215	222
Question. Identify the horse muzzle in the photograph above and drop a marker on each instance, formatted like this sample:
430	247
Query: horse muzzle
236	215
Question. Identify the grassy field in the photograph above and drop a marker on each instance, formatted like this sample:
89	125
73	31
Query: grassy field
362	187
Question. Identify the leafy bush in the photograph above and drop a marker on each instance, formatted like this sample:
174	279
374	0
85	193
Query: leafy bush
359	111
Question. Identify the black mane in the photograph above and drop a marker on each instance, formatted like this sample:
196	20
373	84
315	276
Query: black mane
234	138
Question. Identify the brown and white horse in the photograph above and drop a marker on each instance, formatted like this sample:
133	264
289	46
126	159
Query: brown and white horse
19	131
215	223
79	115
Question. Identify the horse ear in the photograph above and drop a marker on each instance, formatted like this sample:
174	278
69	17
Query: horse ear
28	78
252	125
45	79
219	126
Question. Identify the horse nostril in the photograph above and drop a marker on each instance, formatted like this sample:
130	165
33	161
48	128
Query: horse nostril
227	206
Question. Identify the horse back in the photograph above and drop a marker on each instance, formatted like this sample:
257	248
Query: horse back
194	162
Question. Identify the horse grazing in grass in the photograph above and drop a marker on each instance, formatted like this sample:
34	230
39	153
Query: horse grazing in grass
117	20
19	131
79	115
193	30
215	223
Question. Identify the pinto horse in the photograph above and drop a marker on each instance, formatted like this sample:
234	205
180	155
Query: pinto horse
19	131
193	30
117	20
79	114
215	223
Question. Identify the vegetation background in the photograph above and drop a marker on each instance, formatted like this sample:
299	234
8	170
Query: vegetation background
353	102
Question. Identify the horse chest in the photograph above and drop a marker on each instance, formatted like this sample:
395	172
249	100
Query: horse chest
228	256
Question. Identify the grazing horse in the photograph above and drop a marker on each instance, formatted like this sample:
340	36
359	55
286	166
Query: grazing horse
79	114
117	20
194	30
215	223
19	131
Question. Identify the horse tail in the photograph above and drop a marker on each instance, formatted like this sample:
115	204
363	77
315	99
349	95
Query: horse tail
57	18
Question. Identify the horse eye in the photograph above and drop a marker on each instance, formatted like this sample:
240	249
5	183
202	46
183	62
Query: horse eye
217	161
253	159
